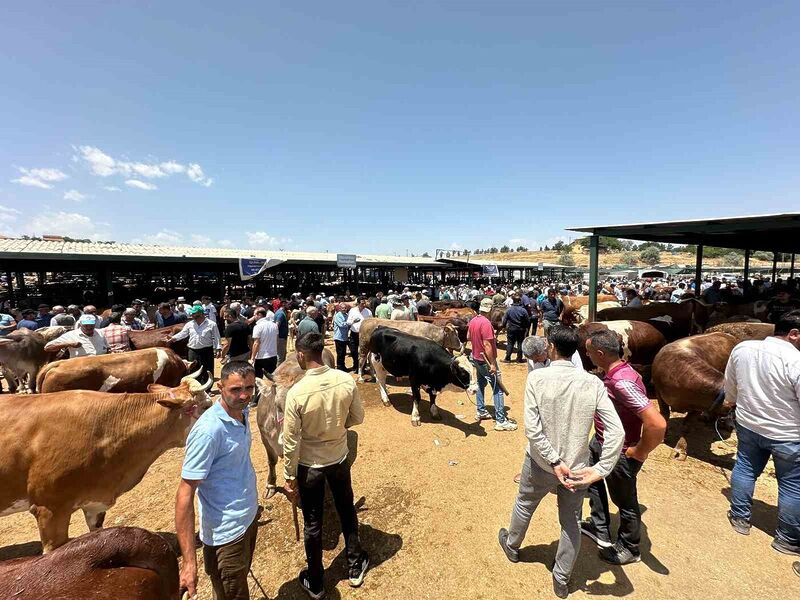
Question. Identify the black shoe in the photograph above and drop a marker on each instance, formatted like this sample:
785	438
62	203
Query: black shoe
619	555
590	530
785	547
560	589
739	525
305	583
511	554
506	360
356	574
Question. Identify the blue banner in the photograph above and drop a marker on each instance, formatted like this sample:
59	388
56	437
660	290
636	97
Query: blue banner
491	271
250	268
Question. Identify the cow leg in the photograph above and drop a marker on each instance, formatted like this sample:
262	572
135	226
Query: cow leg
53	526
94	518
272	460
380	376
415	409
434	409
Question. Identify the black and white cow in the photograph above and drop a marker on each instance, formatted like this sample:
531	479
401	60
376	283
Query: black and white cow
425	363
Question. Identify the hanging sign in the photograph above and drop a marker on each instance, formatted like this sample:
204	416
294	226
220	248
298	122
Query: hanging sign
250	268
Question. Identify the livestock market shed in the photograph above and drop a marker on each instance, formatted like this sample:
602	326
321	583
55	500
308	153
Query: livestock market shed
107	272
778	233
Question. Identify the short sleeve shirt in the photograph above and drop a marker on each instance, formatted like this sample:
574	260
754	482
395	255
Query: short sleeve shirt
89	346
629	396
238	333
218	455
480	330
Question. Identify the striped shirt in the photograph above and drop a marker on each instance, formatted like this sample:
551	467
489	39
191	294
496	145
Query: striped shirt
629	396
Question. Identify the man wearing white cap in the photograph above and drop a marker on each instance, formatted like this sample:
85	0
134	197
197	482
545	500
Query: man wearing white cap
80	342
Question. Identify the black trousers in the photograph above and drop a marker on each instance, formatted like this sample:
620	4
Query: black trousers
341	353
534	325
621	484
312	495
514	339
265	365
204	356
354	348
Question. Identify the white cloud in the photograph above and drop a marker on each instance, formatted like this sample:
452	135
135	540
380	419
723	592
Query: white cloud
165	237
455	246
199	240
195	173
261	238
73	225
225	243
41	178
111	188
103	165
142	185
75	196
8	218
516	242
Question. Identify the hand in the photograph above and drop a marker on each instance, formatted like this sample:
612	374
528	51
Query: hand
564	474
636	454
492	368
585	476
188	578
169	340
292	492
217	353
75	345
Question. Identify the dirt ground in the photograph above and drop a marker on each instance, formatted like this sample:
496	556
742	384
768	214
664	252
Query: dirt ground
431	500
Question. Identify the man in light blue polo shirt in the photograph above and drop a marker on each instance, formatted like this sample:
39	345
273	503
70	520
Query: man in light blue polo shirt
217	465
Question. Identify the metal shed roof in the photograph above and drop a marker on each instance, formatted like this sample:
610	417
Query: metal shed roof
777	233
61	250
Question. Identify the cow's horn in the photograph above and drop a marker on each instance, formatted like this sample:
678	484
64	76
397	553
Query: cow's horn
196	374
208	384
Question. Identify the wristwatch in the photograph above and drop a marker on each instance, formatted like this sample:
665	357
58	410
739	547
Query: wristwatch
555	464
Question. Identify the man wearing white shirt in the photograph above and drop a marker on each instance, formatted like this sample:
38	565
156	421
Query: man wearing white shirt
536	350
355	317
265	343
204	342
762	380
85	341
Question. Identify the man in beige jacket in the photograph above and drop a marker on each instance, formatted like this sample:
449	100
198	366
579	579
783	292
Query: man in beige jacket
319	409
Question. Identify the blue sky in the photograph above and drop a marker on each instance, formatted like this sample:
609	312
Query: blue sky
385	126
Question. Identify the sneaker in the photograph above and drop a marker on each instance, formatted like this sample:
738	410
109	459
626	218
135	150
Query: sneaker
305	583
506	360
505	426
511	554
483	416
785	547
357	573
619	555
739	525
590	530
560	589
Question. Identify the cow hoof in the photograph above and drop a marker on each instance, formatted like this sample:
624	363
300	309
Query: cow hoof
679	455
415	422
270	492
435	414
386	403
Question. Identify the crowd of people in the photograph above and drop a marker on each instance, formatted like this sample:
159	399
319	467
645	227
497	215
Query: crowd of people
587	436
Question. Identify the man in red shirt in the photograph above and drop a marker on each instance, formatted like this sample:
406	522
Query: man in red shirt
484	355
644	431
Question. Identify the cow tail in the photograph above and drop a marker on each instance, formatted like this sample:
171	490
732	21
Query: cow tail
40	377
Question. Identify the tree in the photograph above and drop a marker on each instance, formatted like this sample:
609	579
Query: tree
629	258
505	249
425	255
761	255
731	259
559	245
650	255
566	260
521	249
492	250
547	248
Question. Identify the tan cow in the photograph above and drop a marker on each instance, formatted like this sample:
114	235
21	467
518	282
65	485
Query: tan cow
271	398
745	330
446	337
577	301
123	372
689	376
82	450
22	356
640	343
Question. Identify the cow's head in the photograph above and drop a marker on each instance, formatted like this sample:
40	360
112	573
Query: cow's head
190	397
464	374
451	340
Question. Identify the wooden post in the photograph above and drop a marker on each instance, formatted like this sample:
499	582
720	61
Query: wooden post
594	267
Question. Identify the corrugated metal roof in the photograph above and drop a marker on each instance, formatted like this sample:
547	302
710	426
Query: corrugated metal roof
19	248
505	264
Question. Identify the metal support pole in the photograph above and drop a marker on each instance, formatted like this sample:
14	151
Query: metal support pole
747	264
698	271
11	299
594	267
23	292
774	266
791	269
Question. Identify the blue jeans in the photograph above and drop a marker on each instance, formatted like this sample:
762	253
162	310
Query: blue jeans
484	378
752	456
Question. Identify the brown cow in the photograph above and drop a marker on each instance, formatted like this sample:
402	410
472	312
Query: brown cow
640	343
446	336
745	330
157	338
689	375
124	563
461	324
271	398
577	301
464	313
439	305
124	372
22	355
82	450
674	320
